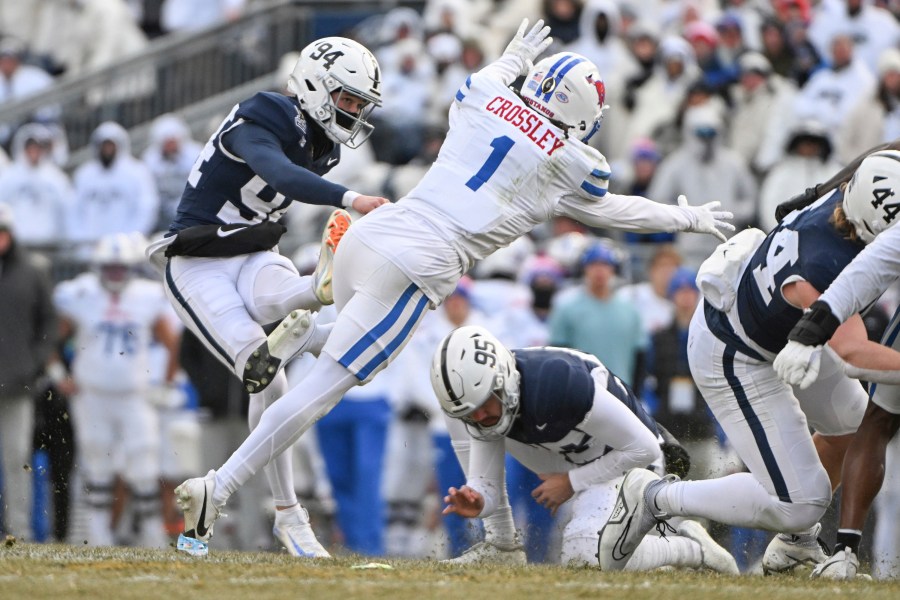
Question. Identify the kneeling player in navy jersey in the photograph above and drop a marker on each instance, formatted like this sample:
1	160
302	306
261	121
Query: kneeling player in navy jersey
563	415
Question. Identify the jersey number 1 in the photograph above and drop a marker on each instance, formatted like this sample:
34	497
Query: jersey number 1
501	147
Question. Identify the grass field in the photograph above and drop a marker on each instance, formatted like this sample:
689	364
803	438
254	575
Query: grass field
30	571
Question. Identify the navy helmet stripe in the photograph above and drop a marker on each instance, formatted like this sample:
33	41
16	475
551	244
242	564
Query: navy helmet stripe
756	427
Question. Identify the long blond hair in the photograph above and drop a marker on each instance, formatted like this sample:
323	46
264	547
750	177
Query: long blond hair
841	222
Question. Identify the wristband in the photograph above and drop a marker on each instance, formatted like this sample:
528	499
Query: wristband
816	326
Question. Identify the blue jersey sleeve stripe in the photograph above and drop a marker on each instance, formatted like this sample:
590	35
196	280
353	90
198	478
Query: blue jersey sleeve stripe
460	96
600	174
592	189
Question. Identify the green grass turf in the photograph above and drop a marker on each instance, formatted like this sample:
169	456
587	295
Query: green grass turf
30	571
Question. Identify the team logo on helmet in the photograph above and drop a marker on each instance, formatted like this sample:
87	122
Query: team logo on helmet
600	87
562	97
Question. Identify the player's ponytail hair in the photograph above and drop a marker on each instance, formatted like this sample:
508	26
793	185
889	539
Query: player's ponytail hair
841	222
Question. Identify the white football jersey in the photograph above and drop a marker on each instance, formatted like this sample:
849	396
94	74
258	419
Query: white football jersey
502	170
113	332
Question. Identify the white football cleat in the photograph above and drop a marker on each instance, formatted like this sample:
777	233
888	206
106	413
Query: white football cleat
842	565
290	338
787	552
335	228
295	533
714	557
489	553
194	498
631	518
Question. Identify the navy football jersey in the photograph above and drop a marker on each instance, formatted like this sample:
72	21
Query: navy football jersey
805	246
557	391
223	189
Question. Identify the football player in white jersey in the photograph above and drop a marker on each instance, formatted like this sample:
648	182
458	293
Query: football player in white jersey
511	160
732	346
115	316
566	417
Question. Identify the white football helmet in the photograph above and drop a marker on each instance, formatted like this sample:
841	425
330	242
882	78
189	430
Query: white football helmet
870	200
567	89
116	257
336	64
469	366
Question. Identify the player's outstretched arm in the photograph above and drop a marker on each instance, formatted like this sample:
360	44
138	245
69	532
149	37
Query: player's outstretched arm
528	46
707	219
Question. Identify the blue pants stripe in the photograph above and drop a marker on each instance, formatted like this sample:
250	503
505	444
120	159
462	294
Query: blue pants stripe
190	311
759	433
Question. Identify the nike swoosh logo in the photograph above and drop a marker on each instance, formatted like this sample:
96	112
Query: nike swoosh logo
331	161
201	528
617	553
541	427
223	233
300	550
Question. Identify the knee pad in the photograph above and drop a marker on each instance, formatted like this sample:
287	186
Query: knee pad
246	281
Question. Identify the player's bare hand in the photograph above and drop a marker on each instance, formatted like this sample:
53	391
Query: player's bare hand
556	489
707	219
366	204
464	502
529	46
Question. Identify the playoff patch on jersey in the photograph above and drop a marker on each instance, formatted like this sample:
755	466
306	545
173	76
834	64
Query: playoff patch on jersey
300	124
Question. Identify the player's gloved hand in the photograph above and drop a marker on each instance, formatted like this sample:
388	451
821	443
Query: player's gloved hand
529	46
706	219
366	204
798	362
799	201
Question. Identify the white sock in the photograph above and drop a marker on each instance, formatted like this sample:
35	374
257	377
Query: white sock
499	528
672	550
283	423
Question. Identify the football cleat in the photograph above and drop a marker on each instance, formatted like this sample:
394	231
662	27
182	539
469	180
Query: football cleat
488	553
631	518
714	557
194	498
295	533
335	228
289	339
787	552
842	565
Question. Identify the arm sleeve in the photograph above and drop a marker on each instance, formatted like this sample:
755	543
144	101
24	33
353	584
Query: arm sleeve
628	213
486	473
613	424
262	152
866	277
505	69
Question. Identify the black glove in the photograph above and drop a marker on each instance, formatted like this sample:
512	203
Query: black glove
799	201
678	461
816	326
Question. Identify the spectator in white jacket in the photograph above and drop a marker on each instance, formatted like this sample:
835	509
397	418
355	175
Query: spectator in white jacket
875	118
873	29
831	93
170	157
703	168
808	160
38	191
114	192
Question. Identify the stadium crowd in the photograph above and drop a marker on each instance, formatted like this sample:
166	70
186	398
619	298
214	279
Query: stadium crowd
746	102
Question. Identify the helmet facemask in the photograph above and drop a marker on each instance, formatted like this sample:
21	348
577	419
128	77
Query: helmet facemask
506	391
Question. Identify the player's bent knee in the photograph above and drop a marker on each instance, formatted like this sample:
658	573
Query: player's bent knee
788	517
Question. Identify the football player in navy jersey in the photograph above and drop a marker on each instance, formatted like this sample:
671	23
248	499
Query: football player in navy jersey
223	273
732	346
566	417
